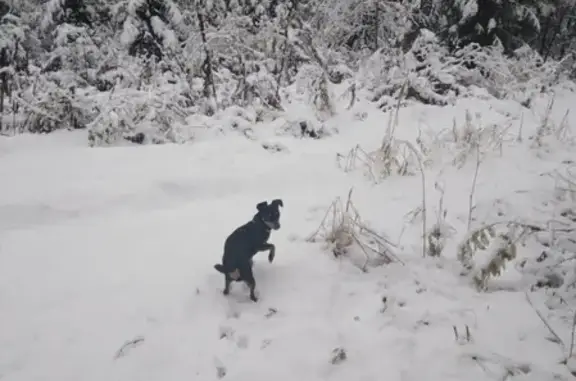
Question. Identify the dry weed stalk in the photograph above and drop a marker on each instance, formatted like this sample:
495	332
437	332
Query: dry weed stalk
395	157
424	209
321	95
438	233
548	127
352	91
467	338
354	155
572	337
562	133
466	139
381	163
545	128
392	157
473	190
343	230
565	185
520	129
393	123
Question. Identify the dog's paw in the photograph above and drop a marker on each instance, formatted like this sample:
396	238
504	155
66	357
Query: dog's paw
253	298
271	257
225	291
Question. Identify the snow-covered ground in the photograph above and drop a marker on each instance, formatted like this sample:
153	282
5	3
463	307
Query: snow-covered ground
101	246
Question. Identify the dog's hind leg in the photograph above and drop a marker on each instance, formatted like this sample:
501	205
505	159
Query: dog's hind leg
248	278
227	282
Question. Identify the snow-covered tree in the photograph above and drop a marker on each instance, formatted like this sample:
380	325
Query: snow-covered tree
460	22
149	27
361	24
14	60
557	36
62	63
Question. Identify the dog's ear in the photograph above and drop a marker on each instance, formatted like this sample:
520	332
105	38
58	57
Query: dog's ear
262	206
277	202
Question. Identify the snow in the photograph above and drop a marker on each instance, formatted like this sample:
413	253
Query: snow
129	32
491	24
101	246
469	8
169	38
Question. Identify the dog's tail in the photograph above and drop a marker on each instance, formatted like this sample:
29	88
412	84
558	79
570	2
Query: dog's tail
220	268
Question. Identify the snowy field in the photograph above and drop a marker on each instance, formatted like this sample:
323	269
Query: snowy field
102	246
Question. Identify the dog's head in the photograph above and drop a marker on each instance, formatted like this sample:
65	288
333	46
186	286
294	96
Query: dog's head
270	213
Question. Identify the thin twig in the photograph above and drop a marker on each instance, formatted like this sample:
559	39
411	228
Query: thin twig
424	210
128	345
558	339
364	267
473	190
322	224
571	352
349	201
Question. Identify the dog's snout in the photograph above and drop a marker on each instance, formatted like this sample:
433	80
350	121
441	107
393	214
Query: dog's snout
276	225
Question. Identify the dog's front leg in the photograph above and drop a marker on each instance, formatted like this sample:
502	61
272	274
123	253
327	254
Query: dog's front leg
272	250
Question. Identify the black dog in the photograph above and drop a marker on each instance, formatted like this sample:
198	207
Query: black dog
245	242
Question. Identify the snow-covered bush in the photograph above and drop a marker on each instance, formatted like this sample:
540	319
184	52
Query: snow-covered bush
392	157
313	86
344	234
519	77
257	89
303	128
435	75
426	71
75	53
382	76
555	267
462	141
50	106
149	115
